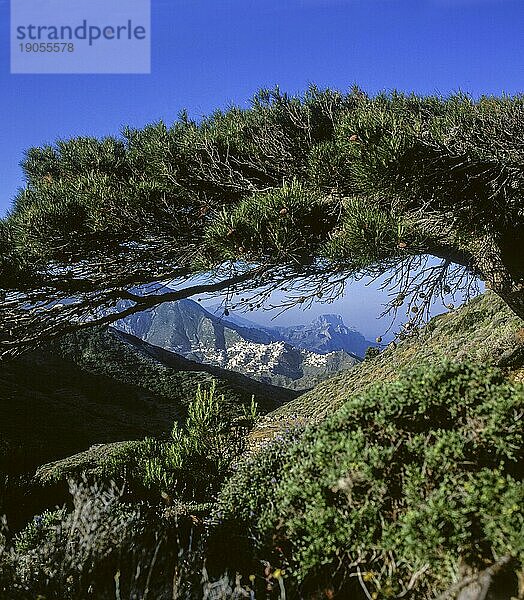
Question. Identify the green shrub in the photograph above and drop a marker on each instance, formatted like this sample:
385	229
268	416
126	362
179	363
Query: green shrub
42	529
191	464
198	457
371	352
59	553
406	482
105	549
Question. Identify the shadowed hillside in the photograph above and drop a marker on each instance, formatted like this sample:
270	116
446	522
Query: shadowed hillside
103	386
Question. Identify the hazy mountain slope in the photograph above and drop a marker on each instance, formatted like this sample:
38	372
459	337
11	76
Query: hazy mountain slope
326	333
485	330
285	365
237	388
233	317
261	353
188	329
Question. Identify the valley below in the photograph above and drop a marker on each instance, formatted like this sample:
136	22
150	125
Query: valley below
294	357
205	417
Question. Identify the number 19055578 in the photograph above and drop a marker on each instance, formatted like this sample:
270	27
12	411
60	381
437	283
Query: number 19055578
47	47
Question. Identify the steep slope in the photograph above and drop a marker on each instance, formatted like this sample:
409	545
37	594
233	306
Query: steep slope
49	407
484	330
184	327
127	358
235	318
102	386
264	354
285	365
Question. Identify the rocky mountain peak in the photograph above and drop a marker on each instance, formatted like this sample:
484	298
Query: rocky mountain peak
329	320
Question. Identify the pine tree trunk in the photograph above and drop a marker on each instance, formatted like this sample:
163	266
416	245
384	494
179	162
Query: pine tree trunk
514	298
503	272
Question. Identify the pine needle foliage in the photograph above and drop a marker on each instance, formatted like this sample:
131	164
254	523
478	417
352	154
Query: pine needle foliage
313	186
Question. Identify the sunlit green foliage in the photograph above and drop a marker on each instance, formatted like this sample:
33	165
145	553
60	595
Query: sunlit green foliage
241	167
425	471
198	457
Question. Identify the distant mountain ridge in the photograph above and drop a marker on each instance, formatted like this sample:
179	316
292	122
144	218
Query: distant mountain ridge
324	334
296	357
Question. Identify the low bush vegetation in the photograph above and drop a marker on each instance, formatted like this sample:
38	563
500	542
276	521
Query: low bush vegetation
106	549
130	529
371	352
191	464
406	488
198	457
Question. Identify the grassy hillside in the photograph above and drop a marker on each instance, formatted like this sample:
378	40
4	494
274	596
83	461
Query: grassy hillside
484	331
49	407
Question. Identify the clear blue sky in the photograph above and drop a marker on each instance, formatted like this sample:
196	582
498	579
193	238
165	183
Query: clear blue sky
209	53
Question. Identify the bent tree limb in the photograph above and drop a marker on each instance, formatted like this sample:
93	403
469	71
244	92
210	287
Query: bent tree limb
478	585
325	184
60	319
